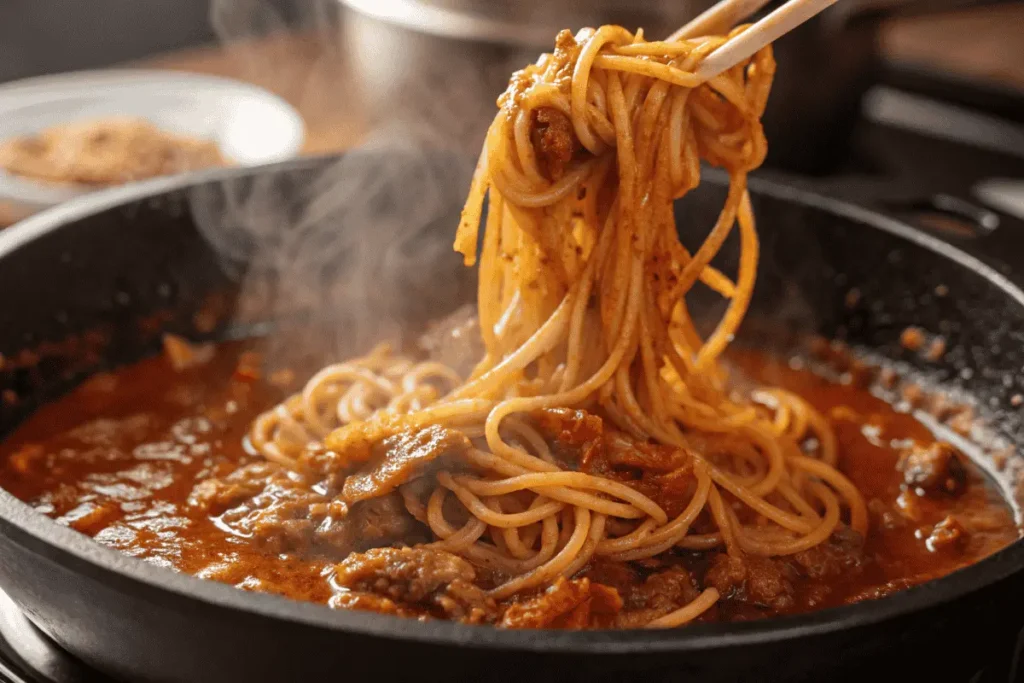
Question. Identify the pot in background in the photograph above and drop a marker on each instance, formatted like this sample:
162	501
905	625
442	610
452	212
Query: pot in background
825	66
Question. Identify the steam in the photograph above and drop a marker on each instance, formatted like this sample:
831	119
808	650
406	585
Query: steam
344	254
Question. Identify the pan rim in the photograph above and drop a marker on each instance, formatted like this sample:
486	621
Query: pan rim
44	537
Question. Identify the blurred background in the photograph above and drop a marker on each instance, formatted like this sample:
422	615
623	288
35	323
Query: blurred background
344	65
977	40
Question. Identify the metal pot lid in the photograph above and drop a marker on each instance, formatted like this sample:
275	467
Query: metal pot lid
531	23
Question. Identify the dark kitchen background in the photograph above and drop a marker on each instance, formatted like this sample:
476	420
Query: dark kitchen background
49	36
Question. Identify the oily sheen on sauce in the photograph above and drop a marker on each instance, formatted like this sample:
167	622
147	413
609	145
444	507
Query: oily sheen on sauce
127	458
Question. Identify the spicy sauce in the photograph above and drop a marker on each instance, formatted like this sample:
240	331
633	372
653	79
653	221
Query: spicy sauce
118	458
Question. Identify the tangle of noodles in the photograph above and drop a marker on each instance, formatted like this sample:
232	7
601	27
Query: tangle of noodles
582	305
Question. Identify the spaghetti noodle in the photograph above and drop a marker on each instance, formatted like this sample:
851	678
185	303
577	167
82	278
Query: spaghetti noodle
582	305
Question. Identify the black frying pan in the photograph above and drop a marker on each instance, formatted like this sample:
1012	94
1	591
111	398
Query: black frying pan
75	281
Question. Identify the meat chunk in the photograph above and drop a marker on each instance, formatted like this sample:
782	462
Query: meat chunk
216	496
840	555
625	452
282	513
381	521
349	447
183	354
554	141
757	580
659	594
401	458
949	535
568	426
576	436
566	604
420	581
936	469
662	473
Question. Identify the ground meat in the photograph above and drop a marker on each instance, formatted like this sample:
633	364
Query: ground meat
661	593
414	580
758	580
949	535
838	556
566	604
554	141
400	458
936	469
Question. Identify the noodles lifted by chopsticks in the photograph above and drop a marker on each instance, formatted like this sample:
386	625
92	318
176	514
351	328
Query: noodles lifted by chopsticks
582	305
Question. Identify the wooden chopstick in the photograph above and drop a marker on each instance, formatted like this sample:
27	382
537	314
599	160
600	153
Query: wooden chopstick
718	19
764	32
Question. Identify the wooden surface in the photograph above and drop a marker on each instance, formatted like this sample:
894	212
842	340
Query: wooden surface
311	73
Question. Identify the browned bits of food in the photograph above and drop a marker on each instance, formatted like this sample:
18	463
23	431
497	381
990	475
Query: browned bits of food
941	290
249	368
887	378
913	394
841	554
912	339
401	458
852	298
760	581
658	594
936	350
554	141
184	354
106	152
423	580
566	604
147	461
935	469
25	458
1017	400
962	422
947	535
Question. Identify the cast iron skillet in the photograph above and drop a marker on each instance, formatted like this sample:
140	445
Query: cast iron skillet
75	281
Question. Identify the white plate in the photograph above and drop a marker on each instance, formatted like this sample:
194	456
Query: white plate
250	125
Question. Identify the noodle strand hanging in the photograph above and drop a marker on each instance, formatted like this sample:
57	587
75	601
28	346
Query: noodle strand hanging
583	314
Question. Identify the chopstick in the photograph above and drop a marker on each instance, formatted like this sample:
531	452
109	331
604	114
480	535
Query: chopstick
718	19
764	32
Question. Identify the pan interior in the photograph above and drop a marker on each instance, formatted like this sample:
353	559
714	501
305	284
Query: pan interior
118	279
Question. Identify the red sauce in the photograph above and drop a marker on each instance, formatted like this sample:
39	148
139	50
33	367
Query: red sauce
118	458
